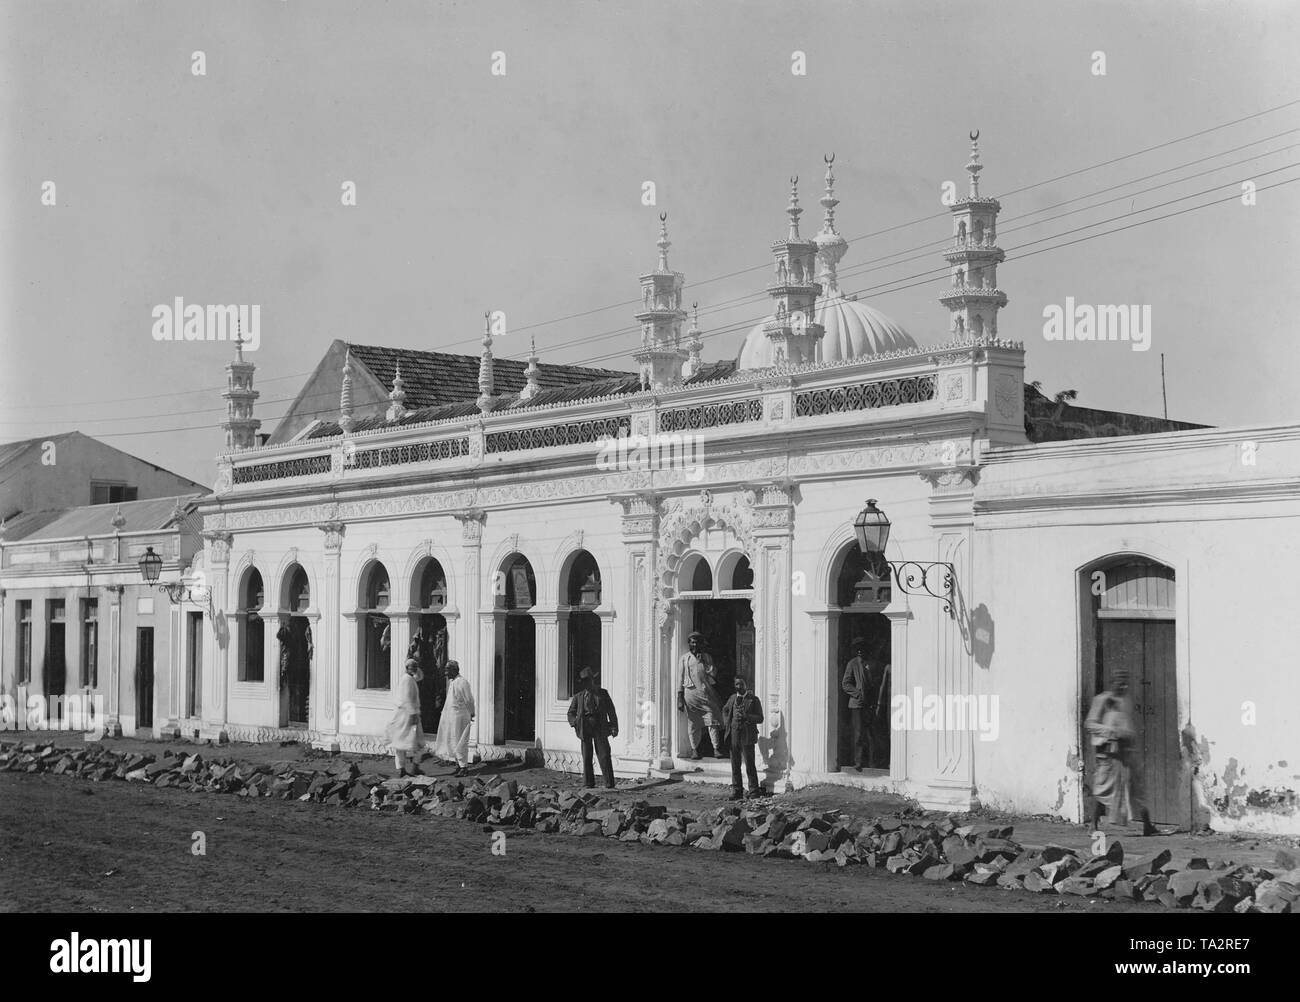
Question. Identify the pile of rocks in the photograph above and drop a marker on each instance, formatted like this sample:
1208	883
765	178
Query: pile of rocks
943	850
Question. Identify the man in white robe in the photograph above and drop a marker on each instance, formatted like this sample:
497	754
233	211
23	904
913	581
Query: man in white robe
404	731
453	725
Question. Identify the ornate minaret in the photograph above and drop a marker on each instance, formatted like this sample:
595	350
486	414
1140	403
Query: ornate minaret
346	420
485	382
240	425
532	387
397	398
694	344
830	245
660	355
974	299
793	329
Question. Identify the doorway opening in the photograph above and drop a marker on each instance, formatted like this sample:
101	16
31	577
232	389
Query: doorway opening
515	665
194	672
1130	628
296	650
861	734
143	677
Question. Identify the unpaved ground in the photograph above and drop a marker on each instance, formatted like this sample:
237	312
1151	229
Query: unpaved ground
74	845
70	844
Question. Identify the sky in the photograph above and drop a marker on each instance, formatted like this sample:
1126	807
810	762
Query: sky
522	192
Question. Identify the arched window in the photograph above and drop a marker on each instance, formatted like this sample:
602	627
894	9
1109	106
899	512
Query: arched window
253	651
978	231
431	594
742	575
580	632
702	576
961	231
375	630
299	591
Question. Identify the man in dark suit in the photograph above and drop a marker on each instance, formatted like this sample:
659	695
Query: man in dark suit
741	716
866	682
592	717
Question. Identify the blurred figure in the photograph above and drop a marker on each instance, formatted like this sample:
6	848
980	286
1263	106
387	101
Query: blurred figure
1117	779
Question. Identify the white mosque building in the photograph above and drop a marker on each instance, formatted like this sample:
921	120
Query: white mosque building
460	504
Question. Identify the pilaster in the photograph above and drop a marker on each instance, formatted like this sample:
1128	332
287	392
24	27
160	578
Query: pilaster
217	641
325	692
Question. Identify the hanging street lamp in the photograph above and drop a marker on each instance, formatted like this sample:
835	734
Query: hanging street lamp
913	576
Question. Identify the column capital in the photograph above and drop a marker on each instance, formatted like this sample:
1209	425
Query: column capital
333	530
218	544
471	524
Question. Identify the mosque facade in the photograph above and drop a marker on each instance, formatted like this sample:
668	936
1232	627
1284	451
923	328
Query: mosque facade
499	528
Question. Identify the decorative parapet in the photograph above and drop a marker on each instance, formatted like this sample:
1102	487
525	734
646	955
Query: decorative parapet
865	396
282	469
556	435
712	415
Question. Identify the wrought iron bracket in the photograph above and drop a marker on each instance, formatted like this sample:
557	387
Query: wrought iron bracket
178	594
915	577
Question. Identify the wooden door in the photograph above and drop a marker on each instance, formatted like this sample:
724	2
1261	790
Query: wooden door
1144	648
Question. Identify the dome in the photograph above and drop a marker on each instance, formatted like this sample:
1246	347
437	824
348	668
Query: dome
853	330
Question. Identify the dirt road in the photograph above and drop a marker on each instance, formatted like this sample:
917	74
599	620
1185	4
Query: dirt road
72	845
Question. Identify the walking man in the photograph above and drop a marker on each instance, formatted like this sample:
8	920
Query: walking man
404	732
1117	780
742	714
592	717
697	696
457	715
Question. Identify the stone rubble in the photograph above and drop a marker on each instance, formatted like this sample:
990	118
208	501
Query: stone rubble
980	855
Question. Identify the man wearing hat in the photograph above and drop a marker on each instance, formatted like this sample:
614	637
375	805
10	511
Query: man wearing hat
697	696
592	717
457	716
865	681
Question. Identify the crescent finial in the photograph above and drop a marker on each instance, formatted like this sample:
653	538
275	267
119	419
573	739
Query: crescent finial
795	179
663	217
975	135
829	159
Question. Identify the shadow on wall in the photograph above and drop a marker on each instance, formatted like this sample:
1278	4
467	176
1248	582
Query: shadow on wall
221	629
775	749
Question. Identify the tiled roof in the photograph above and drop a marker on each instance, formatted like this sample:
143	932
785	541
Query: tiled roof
95	519
574	390
435	378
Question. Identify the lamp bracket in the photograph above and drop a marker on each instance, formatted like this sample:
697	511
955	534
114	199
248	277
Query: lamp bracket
917	577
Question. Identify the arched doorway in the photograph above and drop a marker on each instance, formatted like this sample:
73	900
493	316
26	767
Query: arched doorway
429	638
860	591
579	627
296	649
719	606
515	664
374	632
1129	626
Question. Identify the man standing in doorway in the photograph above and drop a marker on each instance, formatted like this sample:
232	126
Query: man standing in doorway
743	713
592	717
865	683
697	696
1117	779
